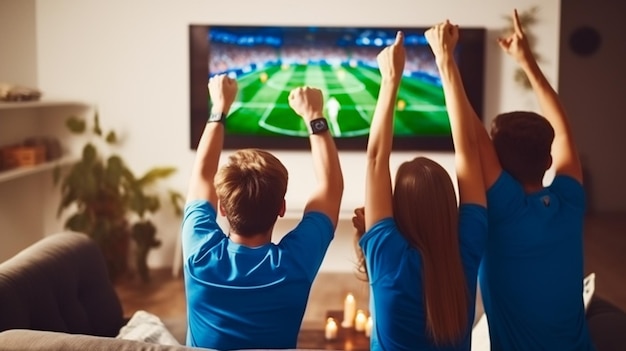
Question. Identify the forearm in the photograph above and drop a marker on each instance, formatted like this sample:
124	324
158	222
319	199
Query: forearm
460	111
378	189
381	129
328	174
548	99
206	163
462	116
564	151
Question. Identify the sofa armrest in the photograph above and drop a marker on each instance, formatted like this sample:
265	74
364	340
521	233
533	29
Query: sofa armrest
36	340
60	283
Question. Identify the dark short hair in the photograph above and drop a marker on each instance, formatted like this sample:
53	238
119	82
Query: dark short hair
523	140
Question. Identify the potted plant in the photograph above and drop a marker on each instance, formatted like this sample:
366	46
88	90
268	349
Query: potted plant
109	203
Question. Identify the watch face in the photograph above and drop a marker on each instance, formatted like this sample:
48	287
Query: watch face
319	125
216	117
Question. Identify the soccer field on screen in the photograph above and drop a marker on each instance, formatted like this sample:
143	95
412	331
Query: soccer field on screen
350	93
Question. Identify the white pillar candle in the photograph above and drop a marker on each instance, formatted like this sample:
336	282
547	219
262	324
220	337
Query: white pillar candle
349	311
360	320
330	332
368	326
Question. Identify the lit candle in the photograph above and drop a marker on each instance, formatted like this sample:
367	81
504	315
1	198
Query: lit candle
368	326
359	321
330	332
349	311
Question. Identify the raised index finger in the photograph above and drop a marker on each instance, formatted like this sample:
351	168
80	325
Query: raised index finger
399	38
516	23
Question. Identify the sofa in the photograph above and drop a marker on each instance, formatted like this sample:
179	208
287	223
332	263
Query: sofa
56	295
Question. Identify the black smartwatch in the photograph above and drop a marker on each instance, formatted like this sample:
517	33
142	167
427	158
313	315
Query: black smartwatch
217	117
318	125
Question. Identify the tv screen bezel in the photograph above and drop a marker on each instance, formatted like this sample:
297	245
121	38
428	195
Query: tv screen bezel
471	61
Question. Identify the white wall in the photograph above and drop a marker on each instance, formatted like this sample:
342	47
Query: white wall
592	89
131	59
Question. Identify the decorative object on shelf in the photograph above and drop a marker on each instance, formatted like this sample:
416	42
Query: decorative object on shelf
110	203
360	320
330	331
528	19
14	156
368	326
349	311
13	92
30	152
51	145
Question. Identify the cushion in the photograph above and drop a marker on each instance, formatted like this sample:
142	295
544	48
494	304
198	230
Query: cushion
146	327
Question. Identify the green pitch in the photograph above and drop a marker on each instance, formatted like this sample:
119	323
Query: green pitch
349	97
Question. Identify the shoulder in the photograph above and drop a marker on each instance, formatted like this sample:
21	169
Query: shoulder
317	219
503	184
199	207
383	231
473	215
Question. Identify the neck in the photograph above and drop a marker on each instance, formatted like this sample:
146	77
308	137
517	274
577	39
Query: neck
255	240
532	188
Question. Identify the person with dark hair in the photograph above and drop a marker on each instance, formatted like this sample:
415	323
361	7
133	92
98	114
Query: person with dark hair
244	291
421	246
531	276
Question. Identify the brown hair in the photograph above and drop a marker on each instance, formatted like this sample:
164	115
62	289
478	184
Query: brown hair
522	141
426	213
251	189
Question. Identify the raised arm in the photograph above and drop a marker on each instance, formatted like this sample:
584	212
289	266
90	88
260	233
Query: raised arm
378	191
222	91
443	38
565	159
326	197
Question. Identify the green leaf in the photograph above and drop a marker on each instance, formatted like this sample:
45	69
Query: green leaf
89	154
75	125
96	124
111	137
79	222
56	175
177	201
155	174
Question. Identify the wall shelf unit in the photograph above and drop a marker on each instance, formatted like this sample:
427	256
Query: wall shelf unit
20	172
15	105
23	119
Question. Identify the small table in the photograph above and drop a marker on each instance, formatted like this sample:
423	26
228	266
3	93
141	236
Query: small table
347	339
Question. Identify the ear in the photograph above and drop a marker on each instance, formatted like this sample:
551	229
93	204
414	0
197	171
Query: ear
283	208
221	210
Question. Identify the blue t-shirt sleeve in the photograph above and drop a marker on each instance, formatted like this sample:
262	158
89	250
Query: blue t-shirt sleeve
569	190
199	227
383	246
472	233
309	241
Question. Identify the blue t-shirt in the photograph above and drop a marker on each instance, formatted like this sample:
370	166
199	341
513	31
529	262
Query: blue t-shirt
531	276
241	297
395	278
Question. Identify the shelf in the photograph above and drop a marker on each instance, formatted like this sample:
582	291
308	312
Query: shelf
20	172
14	105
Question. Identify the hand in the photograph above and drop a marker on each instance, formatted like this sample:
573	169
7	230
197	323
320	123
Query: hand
391	59
222	90
307	102
442	39
358	221
516	44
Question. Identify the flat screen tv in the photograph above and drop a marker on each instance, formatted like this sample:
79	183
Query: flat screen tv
269	61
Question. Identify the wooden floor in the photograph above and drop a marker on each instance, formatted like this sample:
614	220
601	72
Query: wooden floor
605	250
